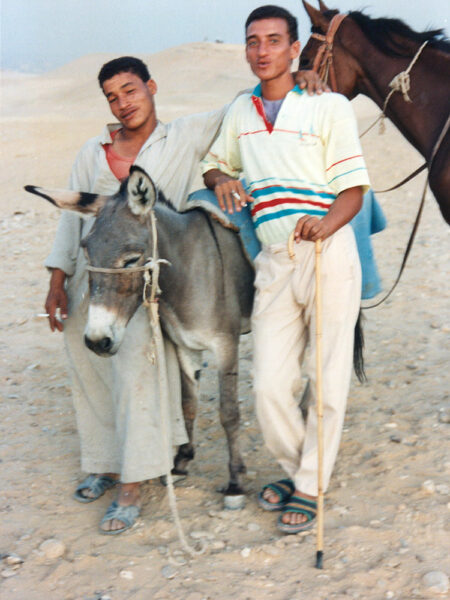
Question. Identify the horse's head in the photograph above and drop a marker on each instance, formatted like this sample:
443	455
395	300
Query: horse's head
346	67
119	239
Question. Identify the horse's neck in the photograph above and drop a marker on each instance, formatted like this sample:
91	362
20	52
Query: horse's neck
421	120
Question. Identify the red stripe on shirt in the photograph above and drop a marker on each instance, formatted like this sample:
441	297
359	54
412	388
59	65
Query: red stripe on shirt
222	162
299	133
252	132
343	160
277	202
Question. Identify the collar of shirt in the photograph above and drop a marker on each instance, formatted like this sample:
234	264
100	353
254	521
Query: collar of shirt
258	94
157	134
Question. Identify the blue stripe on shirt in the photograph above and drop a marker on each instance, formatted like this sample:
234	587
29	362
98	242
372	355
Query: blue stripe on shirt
290	179
285	213
347	172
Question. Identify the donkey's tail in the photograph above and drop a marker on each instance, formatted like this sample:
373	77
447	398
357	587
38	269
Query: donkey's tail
358	348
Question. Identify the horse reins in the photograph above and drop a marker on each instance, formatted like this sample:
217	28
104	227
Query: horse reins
323	65
418	216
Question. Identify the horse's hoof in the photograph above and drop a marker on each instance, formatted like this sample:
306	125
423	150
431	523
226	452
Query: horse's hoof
234	502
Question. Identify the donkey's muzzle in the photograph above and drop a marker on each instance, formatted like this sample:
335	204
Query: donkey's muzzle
102	346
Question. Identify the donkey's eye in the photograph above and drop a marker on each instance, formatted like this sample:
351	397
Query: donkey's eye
131	261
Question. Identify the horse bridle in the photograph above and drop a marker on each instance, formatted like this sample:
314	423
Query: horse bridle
323	61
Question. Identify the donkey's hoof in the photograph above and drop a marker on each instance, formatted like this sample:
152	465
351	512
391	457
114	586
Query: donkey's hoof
176	477
232	489
234	502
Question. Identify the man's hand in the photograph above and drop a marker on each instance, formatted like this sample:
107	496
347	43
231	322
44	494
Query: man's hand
311	81
344	208
311	229
230	193
56	298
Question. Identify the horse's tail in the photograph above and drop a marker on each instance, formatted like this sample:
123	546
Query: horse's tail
358	348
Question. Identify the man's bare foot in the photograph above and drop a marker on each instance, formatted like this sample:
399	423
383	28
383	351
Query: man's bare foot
129	495
293	518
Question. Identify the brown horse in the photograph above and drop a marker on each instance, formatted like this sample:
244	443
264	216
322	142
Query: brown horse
364	55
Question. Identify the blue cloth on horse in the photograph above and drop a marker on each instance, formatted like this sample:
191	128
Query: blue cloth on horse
368	221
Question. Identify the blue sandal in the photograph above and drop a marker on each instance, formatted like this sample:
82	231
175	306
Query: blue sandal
126	514
283	488
97	484
302	506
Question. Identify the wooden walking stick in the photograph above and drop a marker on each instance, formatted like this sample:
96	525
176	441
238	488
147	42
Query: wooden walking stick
319	407
319	400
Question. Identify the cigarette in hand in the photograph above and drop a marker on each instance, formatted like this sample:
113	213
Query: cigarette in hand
237	197
46	315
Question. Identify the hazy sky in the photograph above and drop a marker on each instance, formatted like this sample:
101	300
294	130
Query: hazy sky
38	35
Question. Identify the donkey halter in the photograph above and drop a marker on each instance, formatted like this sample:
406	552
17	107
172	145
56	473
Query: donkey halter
323	61
150	269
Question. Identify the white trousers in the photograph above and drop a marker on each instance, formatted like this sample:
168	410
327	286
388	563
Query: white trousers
117	402
283	321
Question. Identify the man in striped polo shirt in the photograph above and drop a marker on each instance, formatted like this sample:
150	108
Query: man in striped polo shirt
304	171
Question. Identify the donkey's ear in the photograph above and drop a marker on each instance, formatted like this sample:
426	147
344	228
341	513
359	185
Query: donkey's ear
141	191
316	17
82	202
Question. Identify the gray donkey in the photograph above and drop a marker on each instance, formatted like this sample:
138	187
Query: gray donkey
206	298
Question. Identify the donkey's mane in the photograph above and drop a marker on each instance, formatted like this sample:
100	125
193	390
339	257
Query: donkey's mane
163	200
384	33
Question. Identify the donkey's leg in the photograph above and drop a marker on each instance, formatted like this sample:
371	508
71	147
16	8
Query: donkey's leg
229	411
190	376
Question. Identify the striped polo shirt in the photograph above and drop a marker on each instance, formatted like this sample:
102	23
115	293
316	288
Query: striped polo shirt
294	167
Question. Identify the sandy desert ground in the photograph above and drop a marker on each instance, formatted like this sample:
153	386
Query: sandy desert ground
386	521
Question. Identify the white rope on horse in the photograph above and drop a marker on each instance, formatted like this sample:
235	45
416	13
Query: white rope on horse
400	83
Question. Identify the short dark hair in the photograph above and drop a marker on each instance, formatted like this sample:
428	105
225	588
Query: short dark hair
270	11
124	64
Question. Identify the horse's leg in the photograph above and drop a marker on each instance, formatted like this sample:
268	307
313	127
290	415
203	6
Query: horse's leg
190	376
227	358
